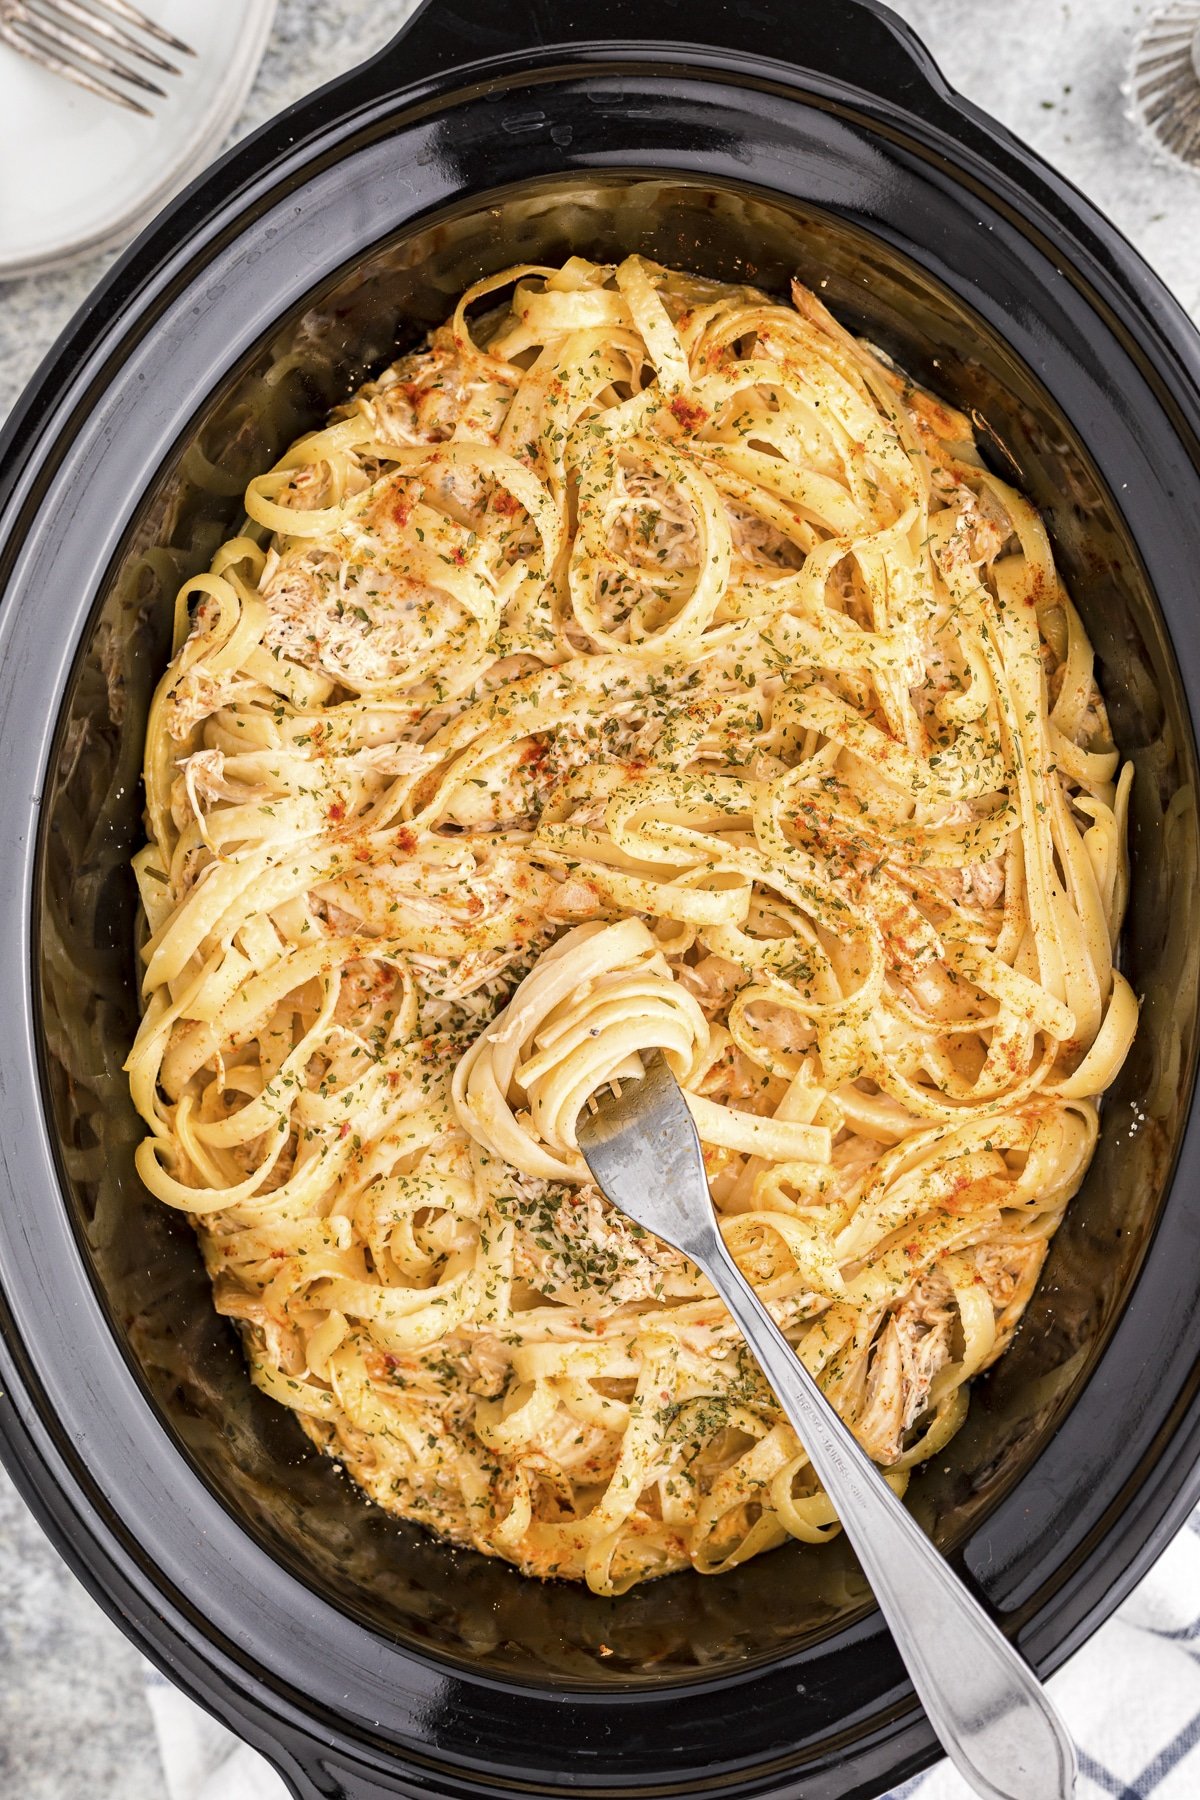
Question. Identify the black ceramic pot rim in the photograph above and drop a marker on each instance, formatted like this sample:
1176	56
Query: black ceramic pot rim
59	1364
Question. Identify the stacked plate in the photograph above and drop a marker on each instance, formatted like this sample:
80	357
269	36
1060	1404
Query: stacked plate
83	175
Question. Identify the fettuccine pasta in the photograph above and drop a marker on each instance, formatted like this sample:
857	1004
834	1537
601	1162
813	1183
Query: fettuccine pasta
645	663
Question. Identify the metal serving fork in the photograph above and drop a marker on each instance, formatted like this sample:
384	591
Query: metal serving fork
75	37
995	1721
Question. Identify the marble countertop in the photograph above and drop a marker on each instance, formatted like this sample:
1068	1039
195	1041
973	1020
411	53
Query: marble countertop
74	1724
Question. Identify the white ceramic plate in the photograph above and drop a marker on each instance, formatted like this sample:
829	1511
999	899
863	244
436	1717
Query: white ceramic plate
79	175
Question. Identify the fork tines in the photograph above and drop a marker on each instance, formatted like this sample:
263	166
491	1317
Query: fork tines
74	37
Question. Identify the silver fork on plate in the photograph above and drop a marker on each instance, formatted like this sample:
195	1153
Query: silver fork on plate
994	1719
80	38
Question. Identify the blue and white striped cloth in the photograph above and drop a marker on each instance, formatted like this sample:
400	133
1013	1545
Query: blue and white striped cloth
1131	1698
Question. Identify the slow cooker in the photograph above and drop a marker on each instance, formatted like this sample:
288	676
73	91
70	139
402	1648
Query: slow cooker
747	141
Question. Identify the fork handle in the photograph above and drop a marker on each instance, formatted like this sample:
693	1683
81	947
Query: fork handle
994	1719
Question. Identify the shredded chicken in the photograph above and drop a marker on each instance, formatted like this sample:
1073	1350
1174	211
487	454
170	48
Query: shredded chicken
924	1323
977	537
196	696
880	1424
430	396
573	900
358	621
656	529
714	980
511	791
913	1346
759	542
979	885
576	1248
283	1343
734	1079
1010	1272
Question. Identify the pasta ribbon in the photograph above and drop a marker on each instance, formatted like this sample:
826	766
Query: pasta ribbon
643	663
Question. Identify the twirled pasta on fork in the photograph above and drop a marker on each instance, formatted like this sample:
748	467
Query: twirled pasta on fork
646	663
